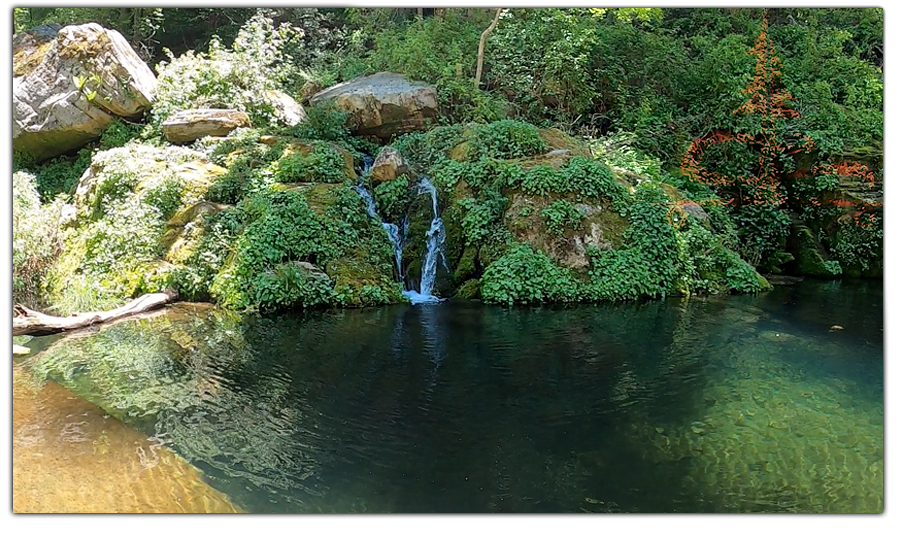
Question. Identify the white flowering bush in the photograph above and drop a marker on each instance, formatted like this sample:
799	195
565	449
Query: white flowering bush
237	78
37	239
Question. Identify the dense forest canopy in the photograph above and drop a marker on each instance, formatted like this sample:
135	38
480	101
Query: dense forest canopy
666	75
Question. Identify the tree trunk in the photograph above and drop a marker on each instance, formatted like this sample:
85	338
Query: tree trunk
420	12
28	322
481	43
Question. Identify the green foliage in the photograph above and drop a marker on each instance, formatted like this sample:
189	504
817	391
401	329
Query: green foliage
322	164
241	139
239	78
58	175
504	139
580	176
762	232
118	134
560	215
392	199
424	150
280	229
523	275
324	122
859	246
481	215
37	240
616	151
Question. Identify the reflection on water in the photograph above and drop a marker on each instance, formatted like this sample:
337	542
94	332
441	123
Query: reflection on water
70	457
737	403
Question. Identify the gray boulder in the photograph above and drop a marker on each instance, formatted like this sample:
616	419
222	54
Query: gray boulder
192	124
384	104
70	83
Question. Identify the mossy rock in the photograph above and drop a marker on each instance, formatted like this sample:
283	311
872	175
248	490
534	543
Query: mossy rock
178	244
811	257
360	282
601	227
467	266
304	148
470	289
557	139
321	197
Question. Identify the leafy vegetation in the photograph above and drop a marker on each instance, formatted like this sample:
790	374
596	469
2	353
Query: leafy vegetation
661	95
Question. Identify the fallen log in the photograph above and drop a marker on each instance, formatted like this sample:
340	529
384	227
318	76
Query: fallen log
28	322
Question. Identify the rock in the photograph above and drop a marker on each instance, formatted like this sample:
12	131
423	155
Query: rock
383	105
601	228
311	270
289	111
68	87
388	166
190	125
783	280
147	166
19	350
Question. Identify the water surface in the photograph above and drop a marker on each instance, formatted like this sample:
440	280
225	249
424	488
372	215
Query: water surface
724	404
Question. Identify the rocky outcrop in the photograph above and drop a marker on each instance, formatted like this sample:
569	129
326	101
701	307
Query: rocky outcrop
388	165
190	125
601	227
383	105
69	86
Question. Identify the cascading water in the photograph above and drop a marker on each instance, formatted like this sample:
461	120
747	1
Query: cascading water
436	237
393	232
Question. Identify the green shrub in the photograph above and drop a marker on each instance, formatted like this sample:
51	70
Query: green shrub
392	199
859	246
323	164
238	78
37	240
560	215
504	139
524	275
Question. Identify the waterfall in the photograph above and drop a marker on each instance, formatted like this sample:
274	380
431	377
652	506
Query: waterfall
436	236
393	232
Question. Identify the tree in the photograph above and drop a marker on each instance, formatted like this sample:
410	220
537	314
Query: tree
481	43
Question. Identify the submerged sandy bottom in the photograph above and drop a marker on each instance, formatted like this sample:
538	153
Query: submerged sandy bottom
70	457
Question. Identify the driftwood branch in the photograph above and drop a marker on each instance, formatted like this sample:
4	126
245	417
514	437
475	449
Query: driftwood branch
481	43
28	322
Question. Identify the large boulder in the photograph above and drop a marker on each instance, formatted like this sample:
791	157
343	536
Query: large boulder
190	125
69	85
383	104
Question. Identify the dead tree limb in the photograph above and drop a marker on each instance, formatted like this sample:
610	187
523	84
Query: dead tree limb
28	322
481	43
